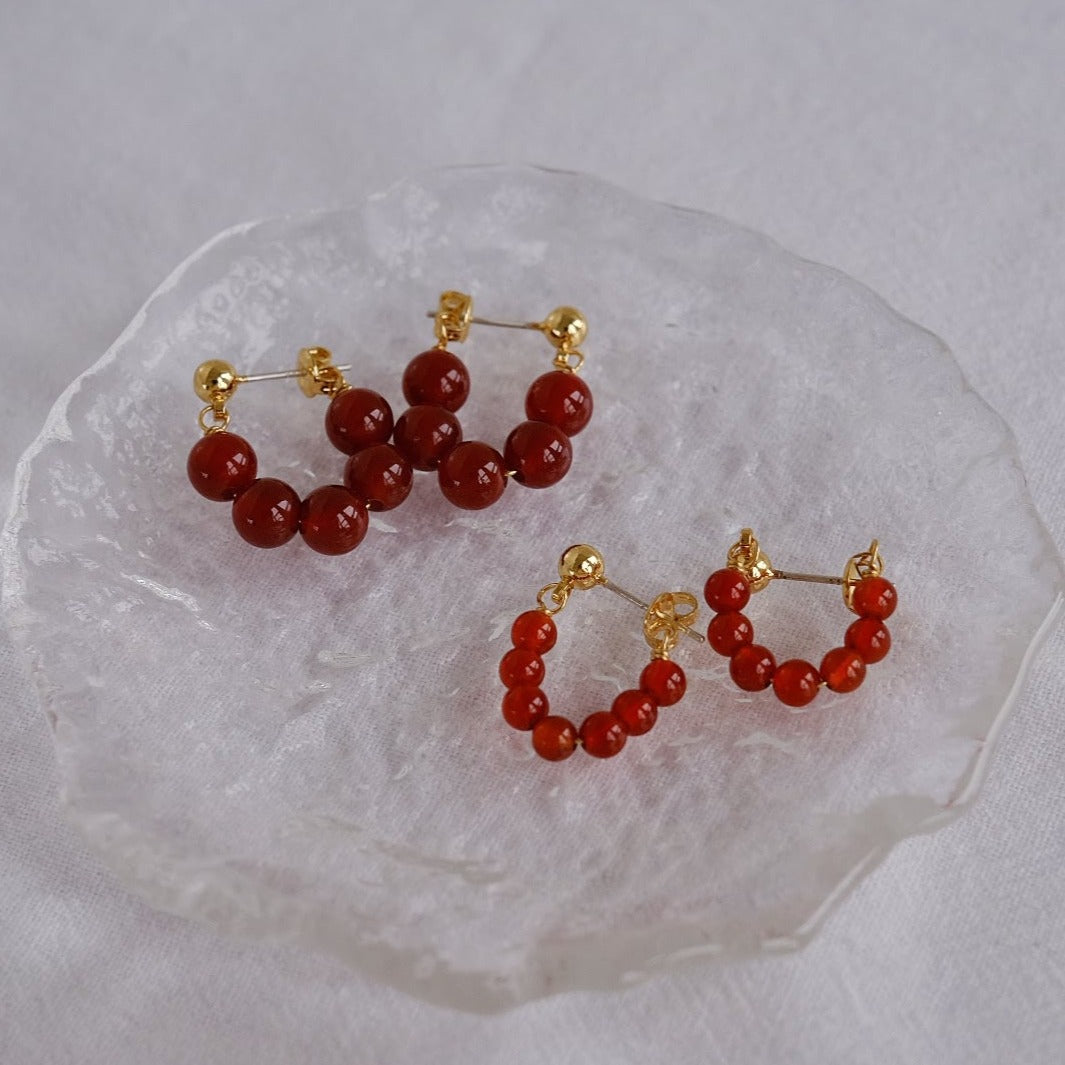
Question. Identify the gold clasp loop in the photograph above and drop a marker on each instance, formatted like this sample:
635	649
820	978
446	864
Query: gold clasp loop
664	623
558	593
746	556
453	316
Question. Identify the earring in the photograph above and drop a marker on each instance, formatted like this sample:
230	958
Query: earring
267	512
796	682
436	383
634	712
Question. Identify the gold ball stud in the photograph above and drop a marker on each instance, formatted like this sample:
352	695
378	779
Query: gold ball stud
582	565
214	379
566	328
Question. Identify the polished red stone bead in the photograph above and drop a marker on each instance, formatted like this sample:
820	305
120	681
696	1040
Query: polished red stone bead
843	669
521	667
523	707
380	475
333	520
875	597
664	681
267	513
751	667
562	399
539	454
472	476
727	590
221	465
358	418
602	734
436	377
636	711
535	631
425	435
796	682
554	738
870	638
728	632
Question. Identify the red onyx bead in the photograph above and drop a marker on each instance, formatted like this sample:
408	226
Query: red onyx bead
333	520
875	597
664	681
438	378
539	454
602	734
727	590
523	707
636	711
267	513
426	434
554	738
751	667
472	476
562	399
221	465
380	475
796	682
535	631
521	668
843	669
728	632
358	418
870	638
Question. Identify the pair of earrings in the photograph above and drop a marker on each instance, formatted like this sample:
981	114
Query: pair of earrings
796	682
384	451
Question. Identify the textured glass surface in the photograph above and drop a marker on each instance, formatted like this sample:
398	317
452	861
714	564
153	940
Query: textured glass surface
310	749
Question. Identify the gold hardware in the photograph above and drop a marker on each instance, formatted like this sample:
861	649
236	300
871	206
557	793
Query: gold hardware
565	327
317	374
581	567
746	556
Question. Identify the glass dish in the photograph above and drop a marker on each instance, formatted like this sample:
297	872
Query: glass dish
310	749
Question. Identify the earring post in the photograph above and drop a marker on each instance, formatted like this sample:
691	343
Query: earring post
279	375
492	321
812	578
636	601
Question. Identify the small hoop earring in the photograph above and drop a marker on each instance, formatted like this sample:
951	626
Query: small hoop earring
267	512
796	682
436	384
634	712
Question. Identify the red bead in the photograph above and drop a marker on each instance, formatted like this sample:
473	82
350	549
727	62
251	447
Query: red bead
602	734
796	682
333	520
751	667
380	475
523	707
875	597
728	632
870	638
221	465
636	711
426	434
843	669
521	668
664	681
358	418
267	513
562	399
539	454
727	590
554	738
438	378
535	631
472	476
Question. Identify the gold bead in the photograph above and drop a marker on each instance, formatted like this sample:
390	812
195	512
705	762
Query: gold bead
582	565
214	379
565	328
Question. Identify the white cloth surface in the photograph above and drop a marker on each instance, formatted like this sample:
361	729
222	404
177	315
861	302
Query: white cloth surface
917	147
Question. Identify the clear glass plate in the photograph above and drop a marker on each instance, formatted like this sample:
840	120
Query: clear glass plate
310	749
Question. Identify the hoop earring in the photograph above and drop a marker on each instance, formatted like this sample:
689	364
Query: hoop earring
634	712
796	682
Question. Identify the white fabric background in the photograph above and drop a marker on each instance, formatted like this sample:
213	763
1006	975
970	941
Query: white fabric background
918	147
